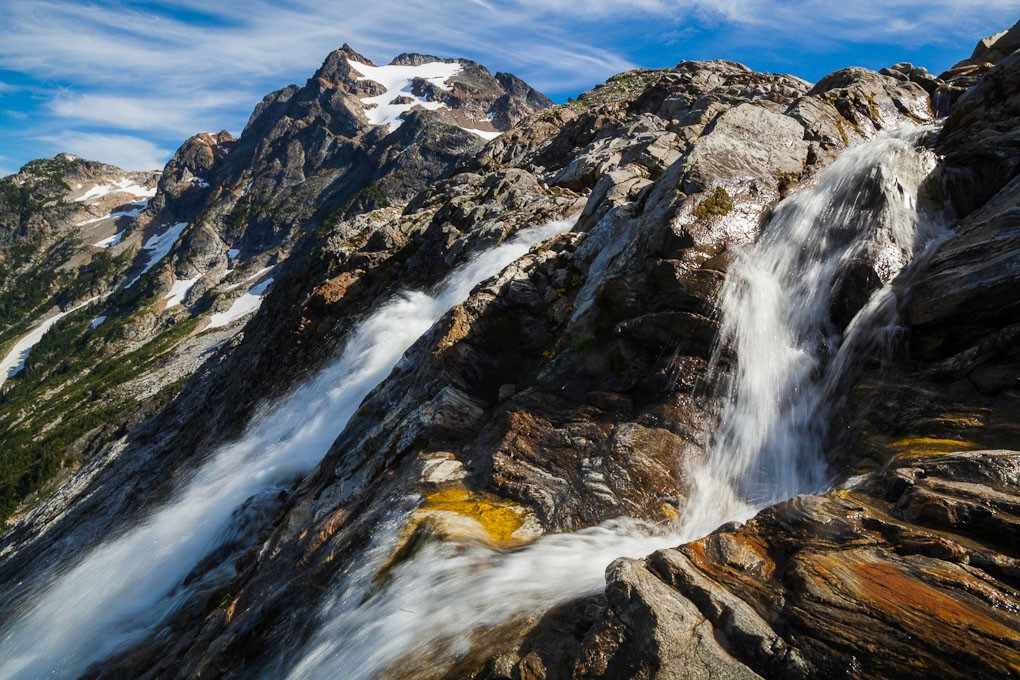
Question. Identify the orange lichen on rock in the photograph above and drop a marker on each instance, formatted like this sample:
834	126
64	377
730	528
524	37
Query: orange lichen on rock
333	290
924	611
326	529
459	325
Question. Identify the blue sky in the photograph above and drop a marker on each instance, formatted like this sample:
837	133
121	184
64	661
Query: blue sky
126	81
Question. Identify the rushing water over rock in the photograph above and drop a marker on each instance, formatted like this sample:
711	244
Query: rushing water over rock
778	308
790	361
121	591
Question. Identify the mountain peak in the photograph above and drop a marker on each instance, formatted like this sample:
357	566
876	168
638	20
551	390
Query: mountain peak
349	52
418	59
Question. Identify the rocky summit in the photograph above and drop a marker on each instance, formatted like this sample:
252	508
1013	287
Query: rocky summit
706	373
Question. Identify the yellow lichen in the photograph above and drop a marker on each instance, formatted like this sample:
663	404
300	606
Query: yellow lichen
454	513
669	512
498	518
929	446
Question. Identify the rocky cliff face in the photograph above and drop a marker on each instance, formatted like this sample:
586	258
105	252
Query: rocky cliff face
572	387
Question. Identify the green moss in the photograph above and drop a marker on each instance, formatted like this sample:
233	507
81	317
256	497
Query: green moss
620	88
718	204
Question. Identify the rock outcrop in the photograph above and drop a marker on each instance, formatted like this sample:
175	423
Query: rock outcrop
171	263
566	388
906	573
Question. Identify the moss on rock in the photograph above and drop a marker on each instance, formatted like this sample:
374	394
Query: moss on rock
717	204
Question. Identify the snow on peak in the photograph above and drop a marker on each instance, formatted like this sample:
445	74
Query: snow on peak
120	186
397	79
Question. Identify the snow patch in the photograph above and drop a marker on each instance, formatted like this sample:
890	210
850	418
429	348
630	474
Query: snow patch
120	186
14	362
484	134
158	247
233	253
111	241
397	80
244	305
97	322
251	277
179	290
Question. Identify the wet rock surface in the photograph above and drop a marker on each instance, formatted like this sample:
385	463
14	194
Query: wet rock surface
907	573
604	335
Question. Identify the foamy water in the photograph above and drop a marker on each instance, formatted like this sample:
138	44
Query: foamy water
768	446
121	591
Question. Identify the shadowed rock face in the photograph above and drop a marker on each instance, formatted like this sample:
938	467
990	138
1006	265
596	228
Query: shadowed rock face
572	387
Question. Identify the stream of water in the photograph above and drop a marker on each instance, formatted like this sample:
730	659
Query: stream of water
121	590
780	365
789	362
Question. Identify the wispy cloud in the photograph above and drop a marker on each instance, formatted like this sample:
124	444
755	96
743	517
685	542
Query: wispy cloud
180	66
145	112
123	150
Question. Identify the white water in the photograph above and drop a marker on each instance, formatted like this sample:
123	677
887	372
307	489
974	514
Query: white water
775	317
775	308
123	589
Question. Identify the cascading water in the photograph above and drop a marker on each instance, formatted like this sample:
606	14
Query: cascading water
123	589
790	363
776	309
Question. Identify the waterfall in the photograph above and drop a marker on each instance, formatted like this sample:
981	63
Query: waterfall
776	312
790	365
122	590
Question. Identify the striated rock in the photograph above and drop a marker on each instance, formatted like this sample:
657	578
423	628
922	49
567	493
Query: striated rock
871	582
981	146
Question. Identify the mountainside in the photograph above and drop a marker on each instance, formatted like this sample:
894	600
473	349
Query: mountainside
156	270
380	387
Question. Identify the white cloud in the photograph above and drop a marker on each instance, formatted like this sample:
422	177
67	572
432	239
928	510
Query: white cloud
154	74
184	116
130	153
113	49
